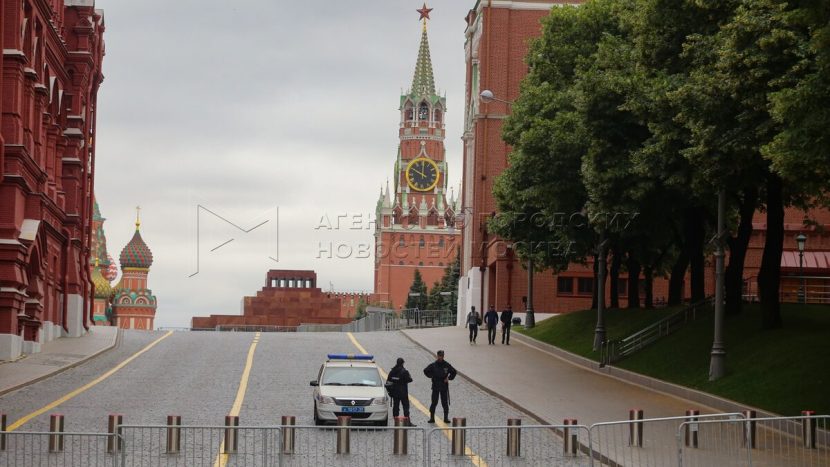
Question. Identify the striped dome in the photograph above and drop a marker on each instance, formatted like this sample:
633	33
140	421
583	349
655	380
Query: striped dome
103	289
136	254
111	271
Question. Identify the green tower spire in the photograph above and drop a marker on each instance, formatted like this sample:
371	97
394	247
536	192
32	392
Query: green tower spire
423	83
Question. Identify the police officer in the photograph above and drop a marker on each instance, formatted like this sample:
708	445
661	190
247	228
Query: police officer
398	384
440	372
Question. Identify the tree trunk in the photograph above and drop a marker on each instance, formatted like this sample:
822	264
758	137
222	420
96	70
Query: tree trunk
693	242
596	281
737	252
648	273
678	273
769	277
614	274
633	267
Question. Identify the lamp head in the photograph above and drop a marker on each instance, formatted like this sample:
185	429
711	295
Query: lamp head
801	239
487	96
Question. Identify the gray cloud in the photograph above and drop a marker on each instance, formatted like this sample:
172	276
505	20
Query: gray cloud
253	104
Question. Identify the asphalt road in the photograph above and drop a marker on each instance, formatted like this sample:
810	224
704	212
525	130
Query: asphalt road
197	375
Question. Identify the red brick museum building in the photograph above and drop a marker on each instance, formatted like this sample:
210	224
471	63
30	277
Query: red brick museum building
49	77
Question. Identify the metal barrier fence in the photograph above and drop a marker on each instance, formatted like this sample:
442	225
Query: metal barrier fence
766	442
734	439
645	441
56	449
168	445
353	445
542	445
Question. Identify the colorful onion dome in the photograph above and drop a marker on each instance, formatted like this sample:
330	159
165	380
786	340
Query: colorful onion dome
103	289
136	254
111	271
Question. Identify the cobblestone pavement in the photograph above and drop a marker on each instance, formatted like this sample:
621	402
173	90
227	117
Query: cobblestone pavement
196	375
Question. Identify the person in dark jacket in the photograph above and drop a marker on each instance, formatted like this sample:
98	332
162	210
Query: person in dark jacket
492	320
506	323
441	373
398	385
473	322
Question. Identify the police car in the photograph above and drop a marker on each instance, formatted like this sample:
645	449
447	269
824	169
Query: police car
350	384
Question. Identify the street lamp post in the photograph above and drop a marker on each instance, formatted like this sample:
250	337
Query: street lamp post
801	240
717	361
487	96
599	331
530	317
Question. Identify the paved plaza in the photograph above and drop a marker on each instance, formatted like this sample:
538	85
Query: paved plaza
149	375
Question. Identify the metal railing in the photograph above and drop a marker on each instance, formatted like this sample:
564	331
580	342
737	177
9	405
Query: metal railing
712	439
57	449
537	445
648	441
778	441
615	350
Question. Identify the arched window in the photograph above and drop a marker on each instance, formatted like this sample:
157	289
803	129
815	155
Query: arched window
408	113
423	111
421	242
401	241
437	116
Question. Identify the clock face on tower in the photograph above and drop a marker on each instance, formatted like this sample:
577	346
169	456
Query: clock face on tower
422	174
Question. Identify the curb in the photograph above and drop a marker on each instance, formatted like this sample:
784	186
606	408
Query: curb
475	383
115	343
710	401
541	421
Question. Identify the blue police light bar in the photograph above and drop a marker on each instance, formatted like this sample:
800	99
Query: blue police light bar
350	356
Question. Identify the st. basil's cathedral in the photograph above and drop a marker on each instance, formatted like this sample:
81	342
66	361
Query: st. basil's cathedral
129	304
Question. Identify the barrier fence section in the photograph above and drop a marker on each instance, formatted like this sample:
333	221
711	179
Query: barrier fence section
764	442
538	445
645	441
353	445
56	449
176	445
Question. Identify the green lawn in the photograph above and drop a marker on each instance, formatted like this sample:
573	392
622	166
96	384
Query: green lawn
784	370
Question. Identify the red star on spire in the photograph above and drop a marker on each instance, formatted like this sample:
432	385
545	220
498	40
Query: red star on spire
424	12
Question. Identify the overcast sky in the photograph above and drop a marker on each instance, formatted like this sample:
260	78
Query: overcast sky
259	110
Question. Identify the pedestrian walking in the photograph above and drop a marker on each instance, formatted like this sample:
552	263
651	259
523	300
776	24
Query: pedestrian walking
506	324
441	373
492	320
397	384
473	322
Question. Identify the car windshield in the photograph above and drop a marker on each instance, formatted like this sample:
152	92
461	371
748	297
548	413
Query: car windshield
351	376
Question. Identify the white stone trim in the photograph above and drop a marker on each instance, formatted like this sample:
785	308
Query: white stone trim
11	346
75	315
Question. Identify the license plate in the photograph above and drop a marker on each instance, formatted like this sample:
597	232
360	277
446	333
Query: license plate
353	409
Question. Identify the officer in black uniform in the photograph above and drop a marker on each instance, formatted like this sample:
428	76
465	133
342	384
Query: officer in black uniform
398	384
440	372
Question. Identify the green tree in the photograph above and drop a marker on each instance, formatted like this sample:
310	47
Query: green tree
418	287
360	309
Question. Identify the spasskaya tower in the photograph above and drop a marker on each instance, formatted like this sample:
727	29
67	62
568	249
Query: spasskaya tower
416	218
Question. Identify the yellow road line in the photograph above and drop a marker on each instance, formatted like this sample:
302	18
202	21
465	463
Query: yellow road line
83	388
474	458
222	458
